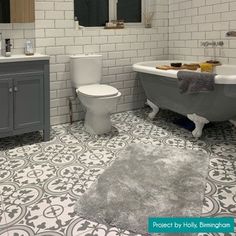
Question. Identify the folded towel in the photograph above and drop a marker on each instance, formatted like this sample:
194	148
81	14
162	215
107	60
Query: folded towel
194	82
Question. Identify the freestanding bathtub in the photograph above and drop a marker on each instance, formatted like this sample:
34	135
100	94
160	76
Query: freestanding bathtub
161	88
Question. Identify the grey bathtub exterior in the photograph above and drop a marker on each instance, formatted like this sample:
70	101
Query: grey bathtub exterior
219	105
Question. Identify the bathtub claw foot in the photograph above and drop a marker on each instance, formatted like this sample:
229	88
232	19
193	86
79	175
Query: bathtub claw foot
233	122
199	122
155	109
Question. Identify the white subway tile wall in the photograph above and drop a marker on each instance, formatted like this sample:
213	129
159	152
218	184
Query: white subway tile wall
192	22
18	33
179	28
56	36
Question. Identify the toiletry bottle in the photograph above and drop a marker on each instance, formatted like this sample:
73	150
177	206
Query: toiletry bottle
8	47
29	50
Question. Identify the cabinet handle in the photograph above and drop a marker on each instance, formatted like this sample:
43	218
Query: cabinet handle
15	89
10	90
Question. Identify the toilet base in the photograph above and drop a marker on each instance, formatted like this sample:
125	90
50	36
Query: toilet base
97	123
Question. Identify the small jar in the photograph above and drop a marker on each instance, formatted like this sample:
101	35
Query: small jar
29	50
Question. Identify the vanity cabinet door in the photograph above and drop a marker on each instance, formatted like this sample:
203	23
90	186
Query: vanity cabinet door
28	101
6	105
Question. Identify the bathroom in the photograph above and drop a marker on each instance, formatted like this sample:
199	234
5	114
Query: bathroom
38	178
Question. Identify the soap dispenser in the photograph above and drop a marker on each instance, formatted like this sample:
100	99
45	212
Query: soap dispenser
8	47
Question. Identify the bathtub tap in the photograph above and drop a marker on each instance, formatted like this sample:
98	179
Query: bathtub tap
213	43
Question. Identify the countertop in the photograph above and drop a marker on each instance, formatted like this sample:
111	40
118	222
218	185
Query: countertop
22	57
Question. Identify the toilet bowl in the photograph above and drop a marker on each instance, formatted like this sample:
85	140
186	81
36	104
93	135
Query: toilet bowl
99	105
99	100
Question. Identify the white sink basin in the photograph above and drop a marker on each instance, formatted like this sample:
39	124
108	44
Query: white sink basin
22	57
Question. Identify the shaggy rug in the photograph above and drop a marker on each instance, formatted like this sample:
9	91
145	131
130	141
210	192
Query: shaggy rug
146	181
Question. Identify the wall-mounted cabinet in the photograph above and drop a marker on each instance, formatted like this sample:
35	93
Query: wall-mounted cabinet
17	11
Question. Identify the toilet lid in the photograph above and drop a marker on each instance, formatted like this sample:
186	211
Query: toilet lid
98	90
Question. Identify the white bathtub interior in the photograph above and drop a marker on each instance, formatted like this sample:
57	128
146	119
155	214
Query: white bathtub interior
226	74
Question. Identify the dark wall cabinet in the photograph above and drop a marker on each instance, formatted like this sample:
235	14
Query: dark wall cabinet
24	98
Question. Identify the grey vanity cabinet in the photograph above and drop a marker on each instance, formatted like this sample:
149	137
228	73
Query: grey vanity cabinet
24	98
6	105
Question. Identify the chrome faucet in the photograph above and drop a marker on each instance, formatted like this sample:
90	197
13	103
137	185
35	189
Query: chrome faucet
213	43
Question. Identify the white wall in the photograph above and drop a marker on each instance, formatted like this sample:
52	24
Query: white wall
179	28
18	33
56	36
194	21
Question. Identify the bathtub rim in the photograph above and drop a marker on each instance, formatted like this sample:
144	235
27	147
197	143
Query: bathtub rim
144	68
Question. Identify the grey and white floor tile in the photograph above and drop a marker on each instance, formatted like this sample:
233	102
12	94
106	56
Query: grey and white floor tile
40	182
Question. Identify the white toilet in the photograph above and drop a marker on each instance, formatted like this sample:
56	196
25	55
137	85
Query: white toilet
98	99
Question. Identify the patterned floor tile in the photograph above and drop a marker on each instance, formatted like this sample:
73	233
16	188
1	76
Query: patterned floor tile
3	220
23	151
40	182
81	227
58	154
17	231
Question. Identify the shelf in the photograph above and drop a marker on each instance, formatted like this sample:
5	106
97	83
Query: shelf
117	27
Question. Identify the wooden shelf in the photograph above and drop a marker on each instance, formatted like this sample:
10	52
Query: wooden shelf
116	27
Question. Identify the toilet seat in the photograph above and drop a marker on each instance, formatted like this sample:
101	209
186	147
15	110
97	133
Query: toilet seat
98	90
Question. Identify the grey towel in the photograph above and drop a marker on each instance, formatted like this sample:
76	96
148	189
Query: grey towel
194	82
